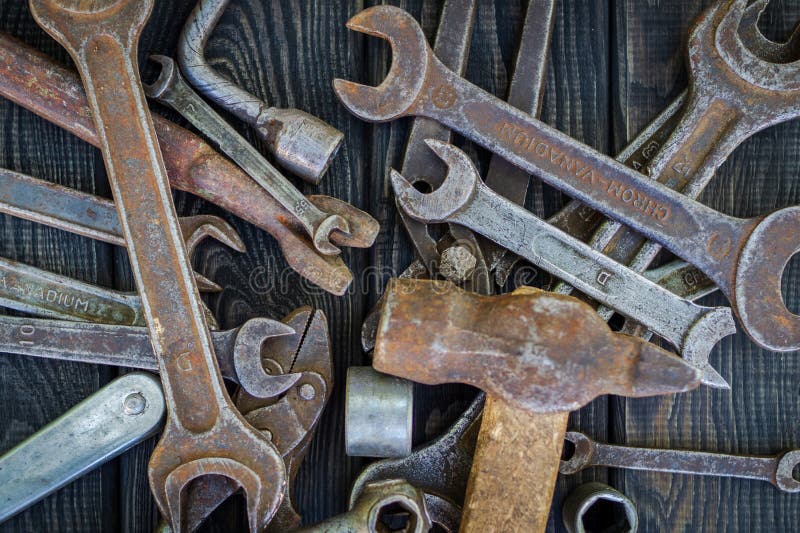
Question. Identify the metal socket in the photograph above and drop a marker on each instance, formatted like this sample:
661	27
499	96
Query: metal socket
301	143
378	414
590	496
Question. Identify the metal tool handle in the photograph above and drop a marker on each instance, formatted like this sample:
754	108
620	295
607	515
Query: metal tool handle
29	289
141	190
101	427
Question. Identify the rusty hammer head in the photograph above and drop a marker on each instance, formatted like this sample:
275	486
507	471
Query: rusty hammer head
544	352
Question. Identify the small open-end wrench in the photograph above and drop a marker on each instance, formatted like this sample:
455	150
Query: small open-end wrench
464	199
744	257
41	85
95	217
724	107
777	469
238	351
379	501
101	427
301	143
171	89
204	433
42	293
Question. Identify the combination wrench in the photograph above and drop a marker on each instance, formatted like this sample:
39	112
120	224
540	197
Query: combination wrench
301	143
118	416
744	257
95	217
171	89
777	469
238	351
464	199
204	434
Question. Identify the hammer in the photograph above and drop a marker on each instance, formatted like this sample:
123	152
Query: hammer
538	356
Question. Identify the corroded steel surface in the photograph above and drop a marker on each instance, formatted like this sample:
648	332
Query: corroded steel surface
204	433
744	257
544	352
34	81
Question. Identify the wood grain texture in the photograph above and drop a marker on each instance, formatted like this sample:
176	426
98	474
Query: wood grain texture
614	65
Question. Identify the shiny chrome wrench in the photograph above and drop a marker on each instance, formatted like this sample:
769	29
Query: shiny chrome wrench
118	416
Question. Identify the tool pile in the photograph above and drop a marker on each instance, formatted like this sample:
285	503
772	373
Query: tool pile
237	409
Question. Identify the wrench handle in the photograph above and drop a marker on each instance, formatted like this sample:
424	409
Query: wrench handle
178	328
31	290
695	232
514	471
101	427
103	43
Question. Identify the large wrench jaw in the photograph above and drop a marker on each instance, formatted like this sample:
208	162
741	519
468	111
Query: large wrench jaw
247	458
410	56
744	62
757	286
455	193
751	36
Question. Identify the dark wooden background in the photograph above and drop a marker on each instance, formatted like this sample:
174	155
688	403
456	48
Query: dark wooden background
615	64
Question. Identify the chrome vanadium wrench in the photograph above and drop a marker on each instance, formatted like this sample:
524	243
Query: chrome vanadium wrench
744	257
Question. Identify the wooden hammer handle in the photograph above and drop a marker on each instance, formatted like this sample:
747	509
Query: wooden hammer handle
514	472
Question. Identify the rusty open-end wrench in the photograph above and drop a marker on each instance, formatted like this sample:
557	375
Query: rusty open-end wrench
744	257
204	433
171	89
39	84
238	351
301	143
95	217
724	107
777	469
464	199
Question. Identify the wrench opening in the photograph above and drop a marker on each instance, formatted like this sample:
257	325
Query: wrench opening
399	90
